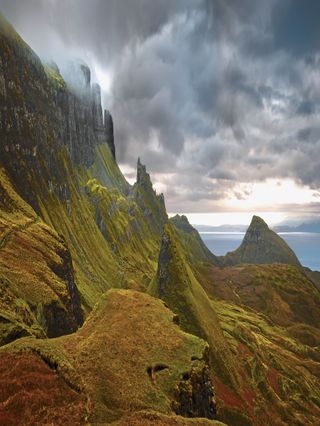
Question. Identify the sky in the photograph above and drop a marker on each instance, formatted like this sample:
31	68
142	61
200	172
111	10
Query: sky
219	98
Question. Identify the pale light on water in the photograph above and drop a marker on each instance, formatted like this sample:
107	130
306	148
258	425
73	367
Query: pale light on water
306	245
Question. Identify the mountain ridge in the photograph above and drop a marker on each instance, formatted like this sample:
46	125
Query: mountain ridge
71	225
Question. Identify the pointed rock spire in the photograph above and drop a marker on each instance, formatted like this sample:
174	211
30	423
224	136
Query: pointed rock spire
108	125
261	245
149	201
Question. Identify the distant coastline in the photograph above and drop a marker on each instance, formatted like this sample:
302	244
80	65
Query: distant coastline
313	227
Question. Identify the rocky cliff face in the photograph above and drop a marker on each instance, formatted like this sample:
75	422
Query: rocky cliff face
261	245
41	116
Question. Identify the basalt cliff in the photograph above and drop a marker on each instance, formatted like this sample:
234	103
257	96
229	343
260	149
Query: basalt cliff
112	313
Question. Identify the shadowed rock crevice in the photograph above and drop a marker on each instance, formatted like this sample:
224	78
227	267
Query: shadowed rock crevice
195	395
156	368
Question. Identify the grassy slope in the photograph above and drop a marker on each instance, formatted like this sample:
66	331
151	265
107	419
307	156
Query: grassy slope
176	284
33	272
282	292
116	247
265	356
27	385
128	356
281	381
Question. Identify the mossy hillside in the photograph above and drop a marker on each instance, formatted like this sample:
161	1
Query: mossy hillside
123	225
115	247
44	173
27	385
96	266
111	213
176	284
190	239
261	245
282	292
38	295
106	170
57	184
128	356
281	381
11	204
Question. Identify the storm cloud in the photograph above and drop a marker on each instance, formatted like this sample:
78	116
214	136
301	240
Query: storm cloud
212	95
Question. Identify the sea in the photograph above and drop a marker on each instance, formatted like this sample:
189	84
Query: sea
306	245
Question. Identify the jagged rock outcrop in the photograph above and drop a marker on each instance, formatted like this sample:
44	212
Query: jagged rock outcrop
102	123
195	396
148	200
108	126
261	245
191	241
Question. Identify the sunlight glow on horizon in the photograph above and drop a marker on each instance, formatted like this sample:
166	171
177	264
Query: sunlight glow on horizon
272	192
273	200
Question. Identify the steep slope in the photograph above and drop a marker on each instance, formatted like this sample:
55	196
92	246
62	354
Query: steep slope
128	356
38	292
282	292
58	152
261	245
261	356
191	241
176	284
280	375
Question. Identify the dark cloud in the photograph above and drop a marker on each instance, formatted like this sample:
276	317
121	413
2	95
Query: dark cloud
103	27
211	94
295	26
